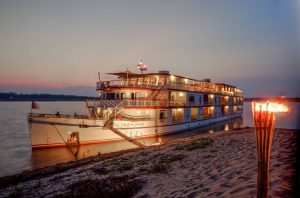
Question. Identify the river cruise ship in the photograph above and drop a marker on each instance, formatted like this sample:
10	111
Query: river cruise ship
137	106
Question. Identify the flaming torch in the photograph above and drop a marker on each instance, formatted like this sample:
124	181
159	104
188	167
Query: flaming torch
264	116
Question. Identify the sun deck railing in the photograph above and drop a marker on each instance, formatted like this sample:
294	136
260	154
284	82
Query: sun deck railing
101	103
123	83
198	87
134	103
57	115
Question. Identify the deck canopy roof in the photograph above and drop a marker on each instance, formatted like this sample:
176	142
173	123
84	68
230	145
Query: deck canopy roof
125	74
129	74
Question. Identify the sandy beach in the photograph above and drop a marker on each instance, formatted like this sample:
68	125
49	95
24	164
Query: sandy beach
221	164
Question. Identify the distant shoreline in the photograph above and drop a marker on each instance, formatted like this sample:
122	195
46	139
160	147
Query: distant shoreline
42	101
20	97
15	97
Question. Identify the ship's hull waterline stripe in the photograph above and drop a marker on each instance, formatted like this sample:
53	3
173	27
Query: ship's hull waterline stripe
56	145
62	124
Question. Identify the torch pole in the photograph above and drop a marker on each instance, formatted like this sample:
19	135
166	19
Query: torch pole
264	130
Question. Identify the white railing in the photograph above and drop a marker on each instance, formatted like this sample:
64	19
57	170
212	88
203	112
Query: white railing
134	103
45	115
123	83
102	103
199	87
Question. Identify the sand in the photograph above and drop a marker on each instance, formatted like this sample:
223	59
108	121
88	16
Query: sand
222	164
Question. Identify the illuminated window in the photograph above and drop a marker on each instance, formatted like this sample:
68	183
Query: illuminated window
177	115
194	113
234	109
224	110
208	112
205	112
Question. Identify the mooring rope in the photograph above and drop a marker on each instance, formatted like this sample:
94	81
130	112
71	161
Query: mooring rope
74	154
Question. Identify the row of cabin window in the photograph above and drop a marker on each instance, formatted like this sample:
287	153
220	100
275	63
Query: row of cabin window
206	99
217	100
118	96
178	116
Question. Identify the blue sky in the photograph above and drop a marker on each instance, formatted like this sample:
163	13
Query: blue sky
48	46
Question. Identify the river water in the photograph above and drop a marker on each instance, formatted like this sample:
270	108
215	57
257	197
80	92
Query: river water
15	147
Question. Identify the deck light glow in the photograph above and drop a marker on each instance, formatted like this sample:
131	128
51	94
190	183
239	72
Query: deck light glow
172	77
226	128
157	80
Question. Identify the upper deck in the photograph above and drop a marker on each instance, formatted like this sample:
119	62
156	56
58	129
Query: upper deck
168	82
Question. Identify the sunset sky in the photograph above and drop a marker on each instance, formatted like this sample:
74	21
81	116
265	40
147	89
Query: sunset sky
52	46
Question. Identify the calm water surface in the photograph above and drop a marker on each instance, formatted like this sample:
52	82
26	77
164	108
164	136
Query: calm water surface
15	146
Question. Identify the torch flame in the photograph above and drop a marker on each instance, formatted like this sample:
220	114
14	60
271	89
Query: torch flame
270	106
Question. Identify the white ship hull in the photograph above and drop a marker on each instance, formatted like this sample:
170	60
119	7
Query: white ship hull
50	132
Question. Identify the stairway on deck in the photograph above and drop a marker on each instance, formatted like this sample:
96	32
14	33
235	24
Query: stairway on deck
129	139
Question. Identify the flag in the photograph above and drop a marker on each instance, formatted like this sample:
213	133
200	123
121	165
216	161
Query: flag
34	105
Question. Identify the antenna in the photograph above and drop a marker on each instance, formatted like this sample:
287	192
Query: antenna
99	76
99	84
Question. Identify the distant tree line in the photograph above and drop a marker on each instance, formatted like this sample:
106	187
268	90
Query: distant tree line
11	96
